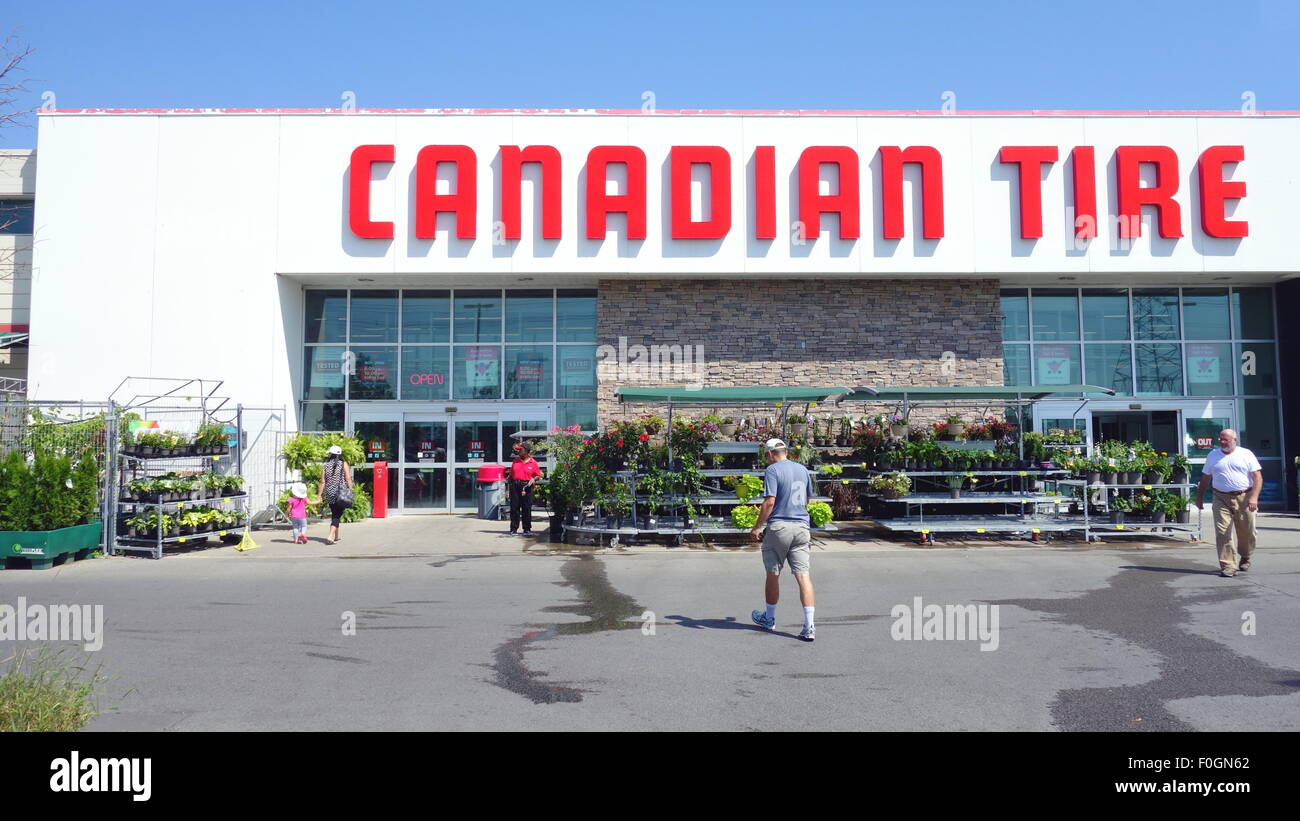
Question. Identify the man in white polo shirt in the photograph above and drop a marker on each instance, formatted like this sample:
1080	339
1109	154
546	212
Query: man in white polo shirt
1237	478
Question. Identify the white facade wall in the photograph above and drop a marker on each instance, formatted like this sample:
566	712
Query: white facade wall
177	244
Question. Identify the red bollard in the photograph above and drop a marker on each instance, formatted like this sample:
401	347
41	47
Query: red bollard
379	504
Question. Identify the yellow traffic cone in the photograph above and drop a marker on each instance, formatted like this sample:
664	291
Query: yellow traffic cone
247	542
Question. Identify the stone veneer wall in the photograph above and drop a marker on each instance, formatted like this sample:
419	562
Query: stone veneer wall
808	332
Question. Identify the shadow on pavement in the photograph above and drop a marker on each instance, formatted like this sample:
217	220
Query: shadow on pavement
1187	571
729	623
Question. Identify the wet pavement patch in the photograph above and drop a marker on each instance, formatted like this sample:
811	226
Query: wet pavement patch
1140	606
604	607
460	558
331	657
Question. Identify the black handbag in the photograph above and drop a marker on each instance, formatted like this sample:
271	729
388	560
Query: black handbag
346	497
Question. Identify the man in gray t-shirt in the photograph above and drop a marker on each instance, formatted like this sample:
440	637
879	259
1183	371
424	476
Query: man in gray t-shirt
787	487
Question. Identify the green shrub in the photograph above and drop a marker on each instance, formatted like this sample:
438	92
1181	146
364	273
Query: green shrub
820	513
47	493
744	517
747	487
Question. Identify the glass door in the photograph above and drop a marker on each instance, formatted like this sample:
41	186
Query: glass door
380	434
424	463
476	441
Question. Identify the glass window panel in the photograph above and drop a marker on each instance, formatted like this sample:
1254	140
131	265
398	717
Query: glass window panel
327	316
365	477
323	372
582	414
476	441
508	429
374	316
374	373
1057	365
1257	363
1203	435
528	316
575	315
1272	491
476	372
1194	479
379	440
323	416
466	488
576	369
426	372
426	441
1015	365
1110	366
1160	370
1015	314
1105	314
425	488
1205	313
17	216
528	372
1155	313
1259	427
1056	314
426	316
477	316
1252	312
1209	369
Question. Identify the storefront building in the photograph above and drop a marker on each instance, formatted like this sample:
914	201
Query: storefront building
436	281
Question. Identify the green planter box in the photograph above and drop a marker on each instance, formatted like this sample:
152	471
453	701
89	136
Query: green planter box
42	547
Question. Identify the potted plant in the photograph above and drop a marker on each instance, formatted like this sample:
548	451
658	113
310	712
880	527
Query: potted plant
1177	506
955	427
1118	507
891	485
1158	505
1180	469
898	426
954	486
984	458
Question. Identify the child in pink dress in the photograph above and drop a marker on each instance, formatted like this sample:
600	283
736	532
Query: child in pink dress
298	502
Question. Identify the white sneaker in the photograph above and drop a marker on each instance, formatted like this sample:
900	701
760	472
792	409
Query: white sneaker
761	619
808	634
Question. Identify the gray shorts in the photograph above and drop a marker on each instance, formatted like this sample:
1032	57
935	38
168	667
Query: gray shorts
786	541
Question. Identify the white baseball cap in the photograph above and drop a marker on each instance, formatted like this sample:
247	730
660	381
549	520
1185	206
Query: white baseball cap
336	450
775	444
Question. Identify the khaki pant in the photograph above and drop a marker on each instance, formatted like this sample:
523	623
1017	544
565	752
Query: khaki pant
1231	512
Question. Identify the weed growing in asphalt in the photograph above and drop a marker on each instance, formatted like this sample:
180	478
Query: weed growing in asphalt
46	691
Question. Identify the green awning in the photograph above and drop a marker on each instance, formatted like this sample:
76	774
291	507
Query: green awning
757	395
920	393
12	337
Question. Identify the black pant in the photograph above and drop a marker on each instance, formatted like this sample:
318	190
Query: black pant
521	503
337	510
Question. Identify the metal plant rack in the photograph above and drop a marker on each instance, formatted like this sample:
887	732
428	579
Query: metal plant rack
160	396
780	399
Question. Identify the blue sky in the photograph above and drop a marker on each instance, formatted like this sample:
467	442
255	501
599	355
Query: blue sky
991	54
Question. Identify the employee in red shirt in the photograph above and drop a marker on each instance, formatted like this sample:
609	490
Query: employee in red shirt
523	474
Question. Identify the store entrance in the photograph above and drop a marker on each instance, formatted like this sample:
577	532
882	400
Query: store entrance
1159	427
434	457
